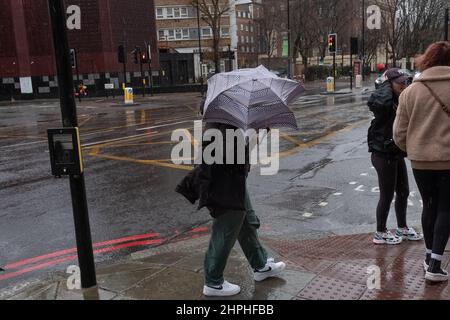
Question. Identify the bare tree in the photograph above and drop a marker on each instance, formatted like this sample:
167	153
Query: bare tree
269	30
212	12
305	29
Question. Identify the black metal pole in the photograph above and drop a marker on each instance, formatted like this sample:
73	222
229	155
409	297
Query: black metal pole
150	76
363	49
446	24
351	64
289	39
334	71
200	48
69	117
78	74
142	75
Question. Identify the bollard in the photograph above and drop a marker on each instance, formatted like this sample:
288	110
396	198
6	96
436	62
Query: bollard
358	81
330	84
129	96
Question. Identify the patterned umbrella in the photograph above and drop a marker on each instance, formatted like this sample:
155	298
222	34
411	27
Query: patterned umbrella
251	99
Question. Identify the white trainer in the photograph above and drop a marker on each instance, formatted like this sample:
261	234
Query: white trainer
409	234
225	290
271	269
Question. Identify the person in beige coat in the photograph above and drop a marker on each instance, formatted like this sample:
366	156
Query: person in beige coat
422	129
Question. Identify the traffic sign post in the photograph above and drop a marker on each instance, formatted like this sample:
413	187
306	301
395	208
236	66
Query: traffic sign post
69	117
332	48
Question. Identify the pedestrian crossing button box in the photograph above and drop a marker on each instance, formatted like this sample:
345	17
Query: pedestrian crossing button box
65	151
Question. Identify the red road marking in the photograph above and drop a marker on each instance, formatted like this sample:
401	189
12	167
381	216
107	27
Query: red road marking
74	257
119	241
201	229
73	250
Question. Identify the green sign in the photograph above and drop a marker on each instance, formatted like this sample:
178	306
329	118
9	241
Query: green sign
285	47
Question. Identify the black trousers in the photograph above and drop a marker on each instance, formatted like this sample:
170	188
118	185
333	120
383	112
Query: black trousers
392	179
434	187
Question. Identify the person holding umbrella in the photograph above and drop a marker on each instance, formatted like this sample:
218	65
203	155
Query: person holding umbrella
242	99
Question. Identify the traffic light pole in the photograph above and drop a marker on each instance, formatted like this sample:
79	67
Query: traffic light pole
334	71
142	77
69	117
363	49
446	24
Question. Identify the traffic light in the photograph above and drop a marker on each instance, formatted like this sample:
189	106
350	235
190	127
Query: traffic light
144	58
332	43
232	55
73	58
136	53
121	54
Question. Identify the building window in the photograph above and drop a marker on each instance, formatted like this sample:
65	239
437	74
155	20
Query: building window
176	12
171	35
169	12
239	14
246	28
247	39
206	32
242	27
161	35
184	12
225	32
242	39
159	13
186	34
251	28
178	34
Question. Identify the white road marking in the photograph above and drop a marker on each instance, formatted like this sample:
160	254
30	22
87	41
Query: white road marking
353	183
164	125
376	189
360	188
323	204
337	194
364	174
307	215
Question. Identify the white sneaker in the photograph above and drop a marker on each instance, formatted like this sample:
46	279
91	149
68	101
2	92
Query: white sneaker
225	290
271	269
408	234
386	238
425	266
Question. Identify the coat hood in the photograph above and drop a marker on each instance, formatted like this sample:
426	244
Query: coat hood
440	73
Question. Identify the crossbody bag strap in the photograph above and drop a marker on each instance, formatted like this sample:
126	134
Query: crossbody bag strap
444	107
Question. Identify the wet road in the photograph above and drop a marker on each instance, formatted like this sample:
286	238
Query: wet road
130	179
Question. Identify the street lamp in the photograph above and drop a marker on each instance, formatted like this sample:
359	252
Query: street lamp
363	49
289	38
200	48
446	26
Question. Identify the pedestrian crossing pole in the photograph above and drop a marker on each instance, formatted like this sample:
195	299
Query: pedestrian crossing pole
69	117
446	26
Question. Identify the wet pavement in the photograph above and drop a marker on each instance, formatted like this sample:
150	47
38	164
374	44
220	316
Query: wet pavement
330	268
325	186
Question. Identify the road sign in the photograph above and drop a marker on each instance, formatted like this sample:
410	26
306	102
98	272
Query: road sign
73	58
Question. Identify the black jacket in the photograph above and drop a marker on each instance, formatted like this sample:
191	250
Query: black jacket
218	187
383	103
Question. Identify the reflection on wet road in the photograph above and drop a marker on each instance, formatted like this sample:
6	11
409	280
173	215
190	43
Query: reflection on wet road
130	179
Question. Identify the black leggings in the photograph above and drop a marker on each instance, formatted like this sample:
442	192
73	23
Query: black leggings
434	187
392	178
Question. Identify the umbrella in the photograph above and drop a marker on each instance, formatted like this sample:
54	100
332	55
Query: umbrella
251	99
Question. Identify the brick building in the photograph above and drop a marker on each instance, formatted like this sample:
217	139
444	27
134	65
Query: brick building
178	28
247	15
26	52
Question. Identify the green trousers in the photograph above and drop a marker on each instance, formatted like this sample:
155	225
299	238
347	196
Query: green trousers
231	226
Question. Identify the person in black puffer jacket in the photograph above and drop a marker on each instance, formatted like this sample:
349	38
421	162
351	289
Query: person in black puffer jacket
222	188
389	160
